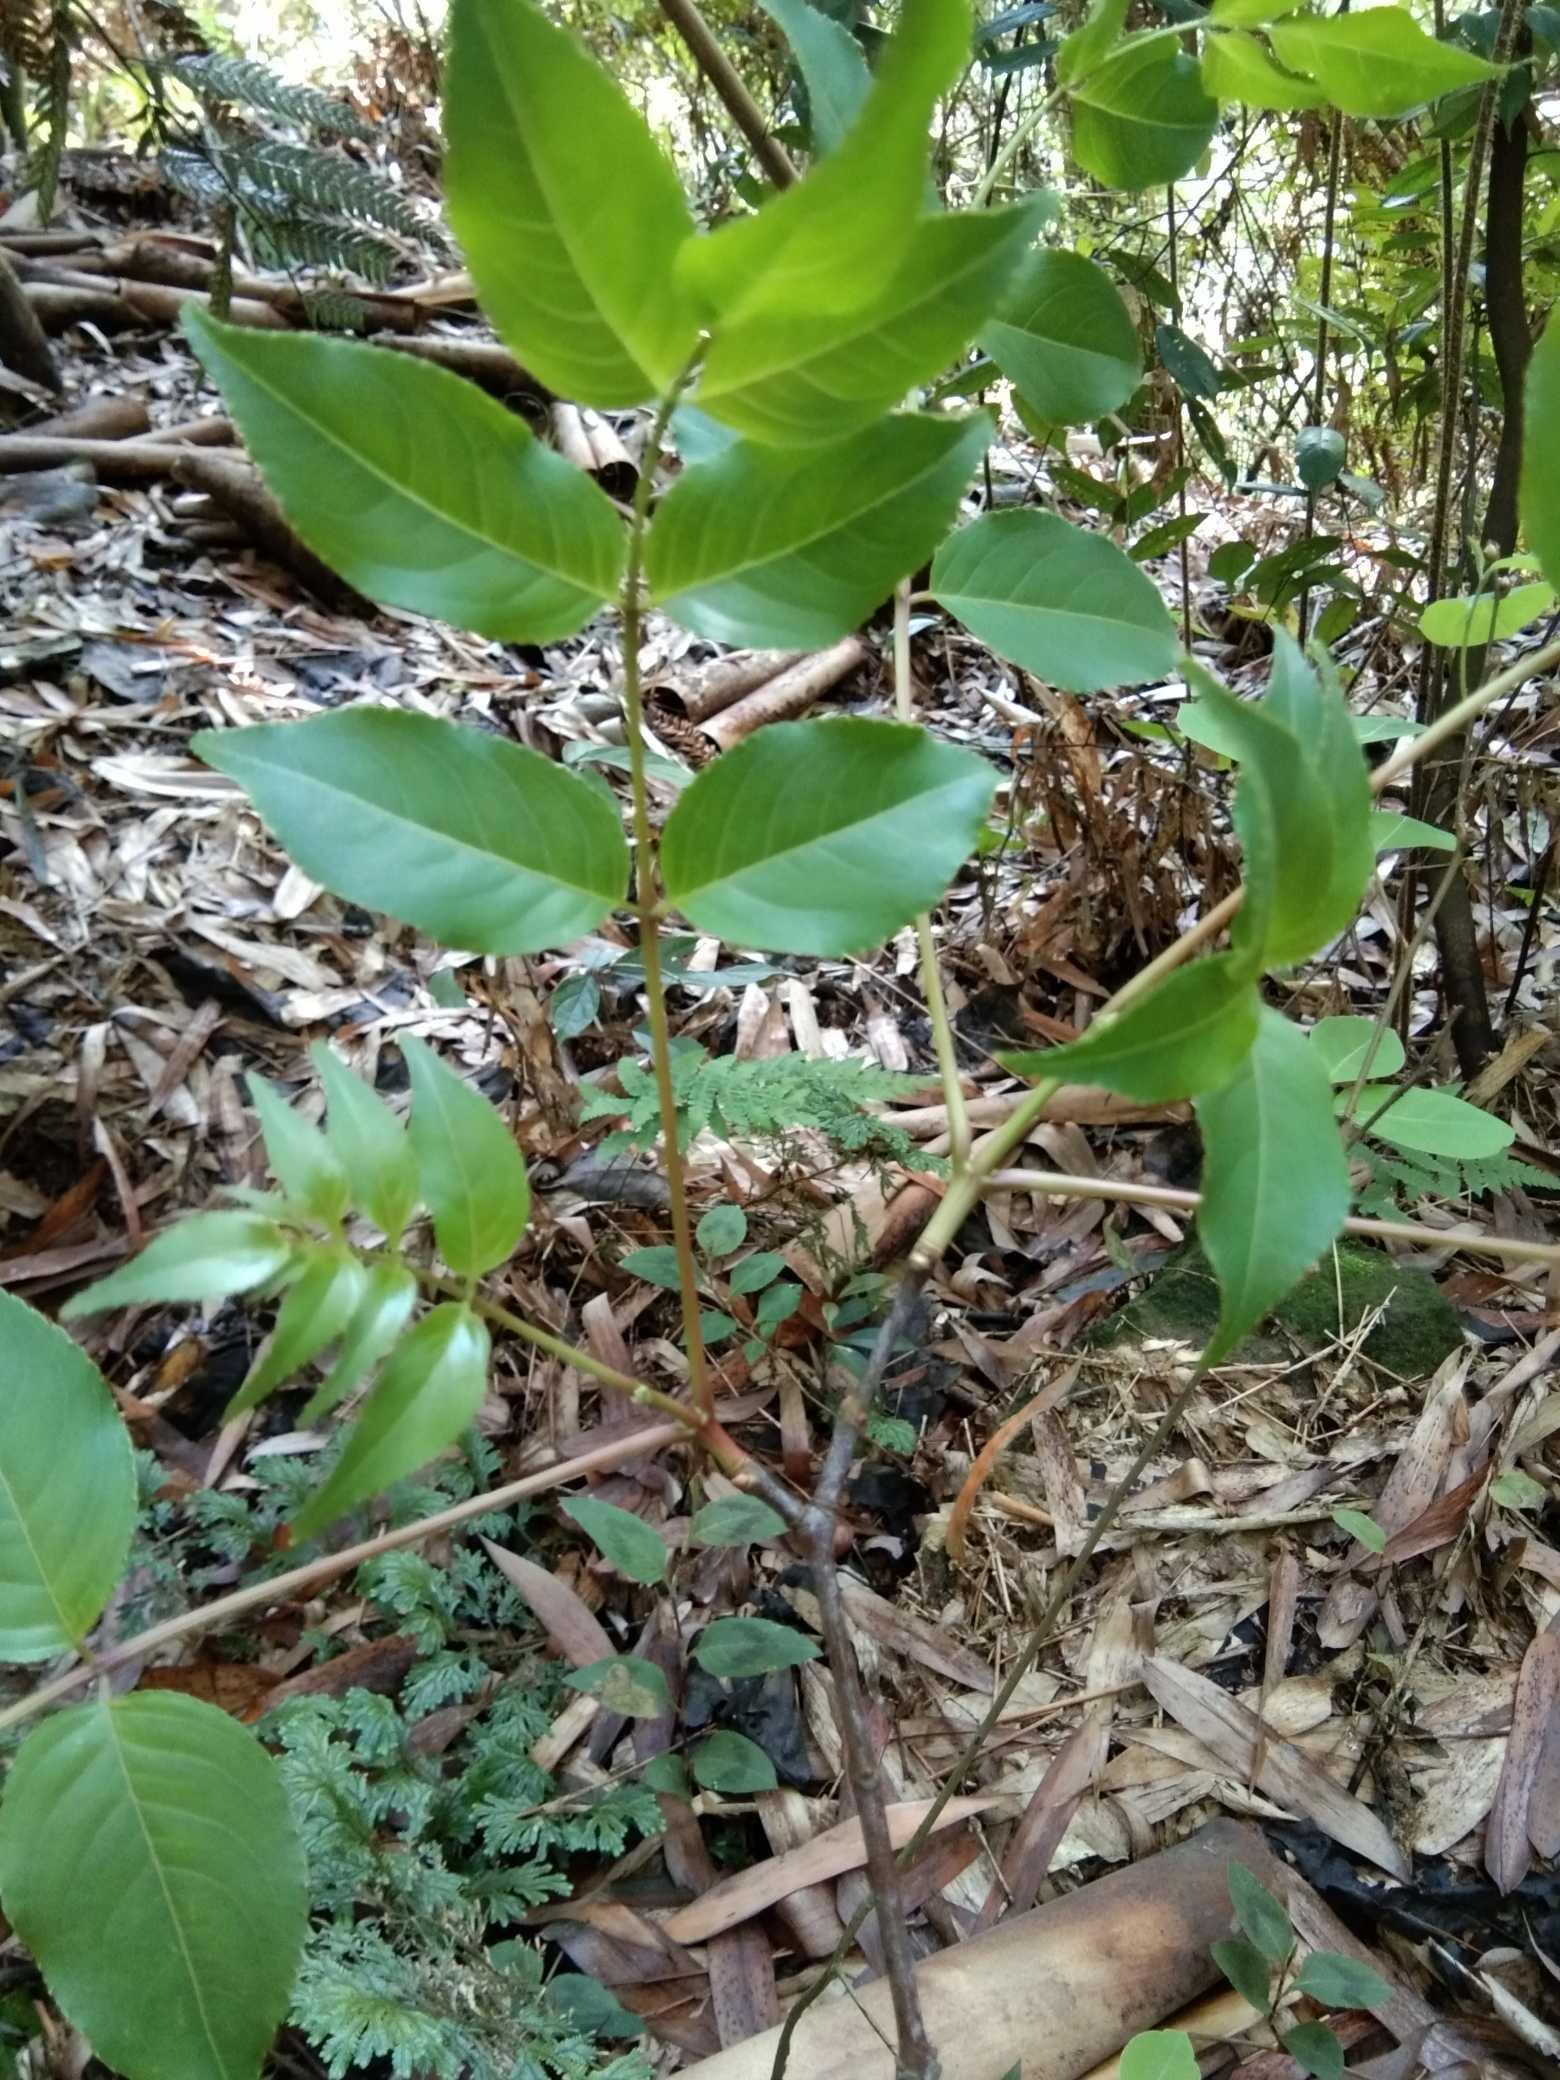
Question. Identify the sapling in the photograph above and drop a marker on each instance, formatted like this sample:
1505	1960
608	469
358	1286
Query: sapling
811	496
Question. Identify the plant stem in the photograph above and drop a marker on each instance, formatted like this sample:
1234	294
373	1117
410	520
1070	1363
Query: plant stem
728	83
647	905
931	974
283	1586
1055	1184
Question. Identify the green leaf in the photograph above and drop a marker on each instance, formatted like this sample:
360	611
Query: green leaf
823	837
832	66
776	1305
1461	624
1159	2054
1083	50
1391	832
1342	1982
1236	67
389	1295
1434	1122
1250	14
1320	453
1515	1489
1191	1034
1316	2048
1378	63
627	1541
1065	339
419	489
796	375
737	1520
429	1391
1275	1188
831	243
751	1647
369	1143
1540	486
1142	118
1064	604
483	844
1247	1970
625	1684
67	1488
665	1773
149	1861
1365	1529
206	1256
317	1309
721	1230
299	1157
756	1272
794	547
570	216
1195	371
1260	1915
470	1170
658	1265
1344	1043
592	2007
1302	807
730	1762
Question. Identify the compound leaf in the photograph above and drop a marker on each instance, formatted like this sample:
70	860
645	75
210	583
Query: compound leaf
389	1295
483	844
1376	63
794	547
148	1860
298	1156
421	491
832	243
67	1488
370	1144
320	1303
430	1389
1142	117
570	216
1275	1190
1061	602
206	1256
794	375
822	837
470	1171
1189	1034
1065	339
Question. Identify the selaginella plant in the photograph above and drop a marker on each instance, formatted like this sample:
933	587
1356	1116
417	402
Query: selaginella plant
144	1851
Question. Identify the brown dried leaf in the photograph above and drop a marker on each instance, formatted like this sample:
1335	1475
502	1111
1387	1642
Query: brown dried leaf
1508	1850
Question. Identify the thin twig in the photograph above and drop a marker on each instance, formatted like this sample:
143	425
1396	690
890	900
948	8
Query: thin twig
724	77
278	1588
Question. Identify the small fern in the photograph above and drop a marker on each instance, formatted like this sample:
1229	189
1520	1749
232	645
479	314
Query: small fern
763	1101
1411	1175
245	82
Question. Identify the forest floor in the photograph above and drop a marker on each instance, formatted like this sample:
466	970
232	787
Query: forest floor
155	945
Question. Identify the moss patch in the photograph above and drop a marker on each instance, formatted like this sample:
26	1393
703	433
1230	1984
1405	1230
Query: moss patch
1417	1331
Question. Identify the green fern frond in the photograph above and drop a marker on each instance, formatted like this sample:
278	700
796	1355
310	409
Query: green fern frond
303	241
44	173
249	84
25	38
762	1101
269	176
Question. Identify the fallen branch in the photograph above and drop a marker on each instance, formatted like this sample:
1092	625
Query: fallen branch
492	367
115	462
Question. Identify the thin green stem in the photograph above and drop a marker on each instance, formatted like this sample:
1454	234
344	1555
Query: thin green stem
647	906
931	974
